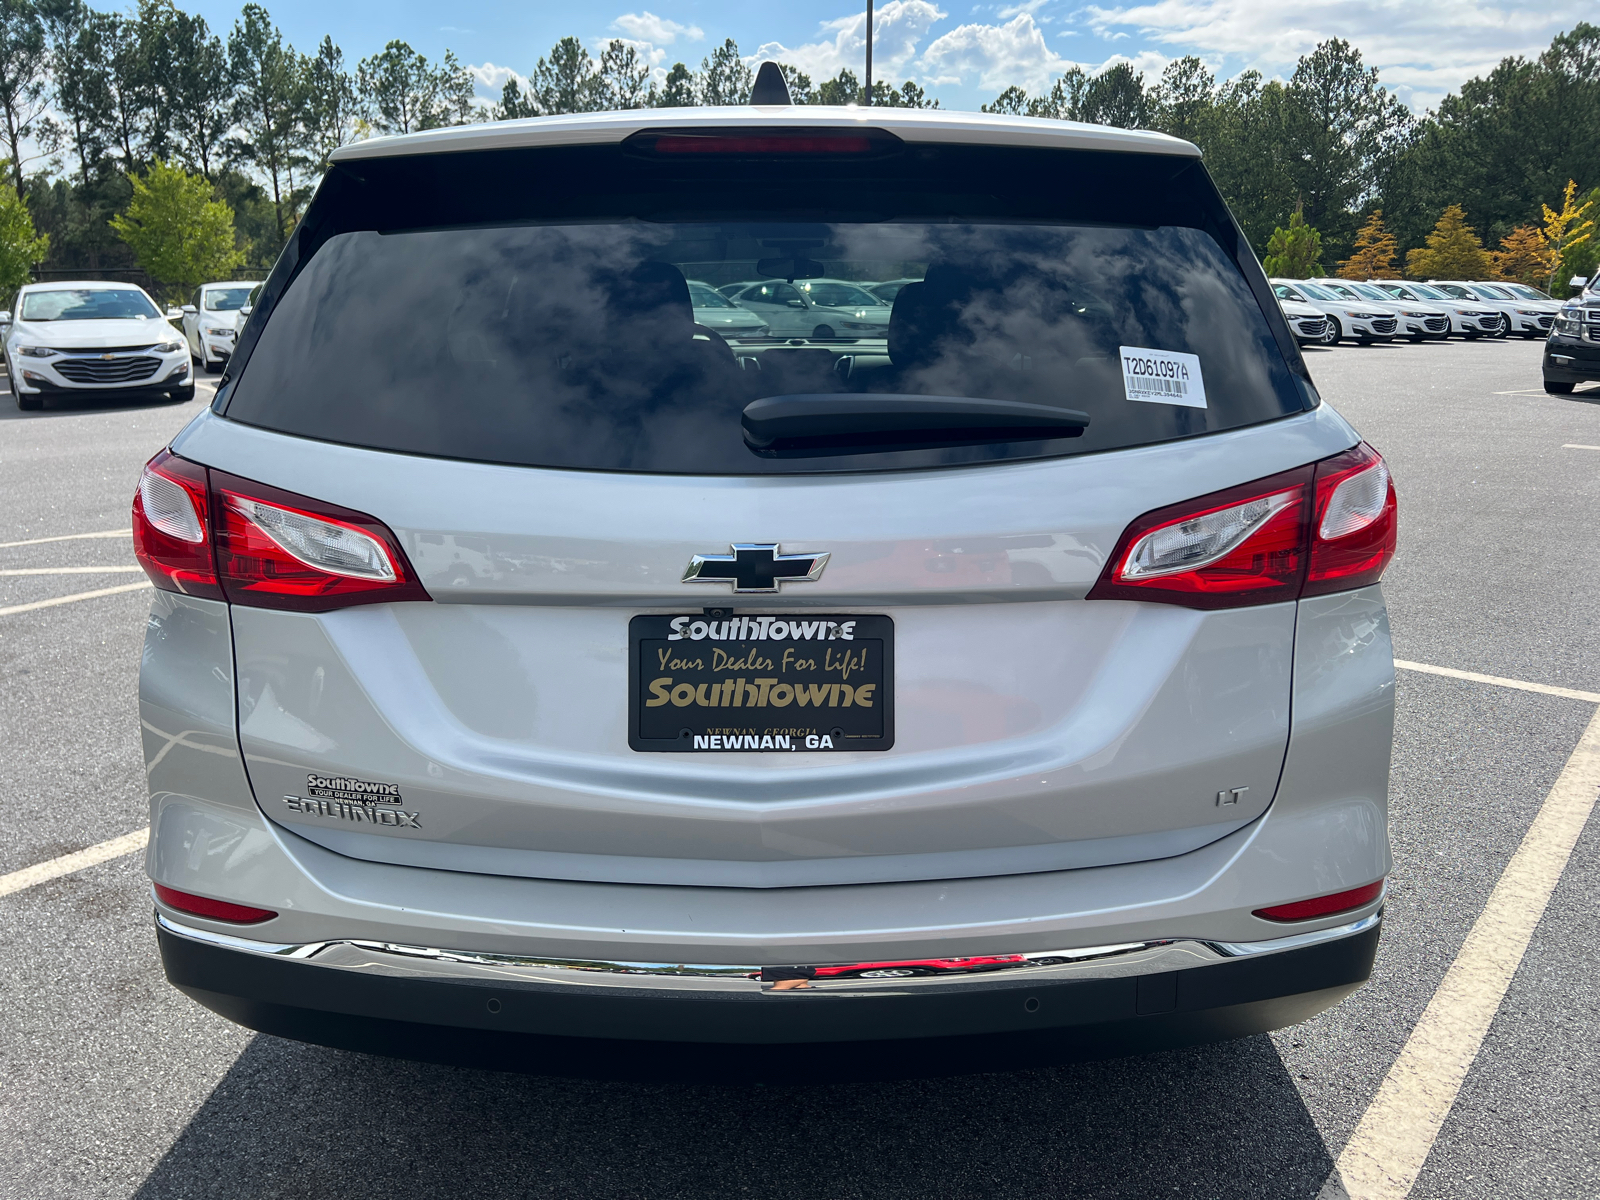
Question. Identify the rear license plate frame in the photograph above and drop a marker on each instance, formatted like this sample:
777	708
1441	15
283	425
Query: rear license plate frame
849	650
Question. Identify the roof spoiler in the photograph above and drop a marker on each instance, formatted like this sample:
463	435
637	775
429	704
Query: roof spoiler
770	86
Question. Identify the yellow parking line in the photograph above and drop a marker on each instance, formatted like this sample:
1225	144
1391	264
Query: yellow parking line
69	537
51	603
77	861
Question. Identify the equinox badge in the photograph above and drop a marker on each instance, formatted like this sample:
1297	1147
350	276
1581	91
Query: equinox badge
755	568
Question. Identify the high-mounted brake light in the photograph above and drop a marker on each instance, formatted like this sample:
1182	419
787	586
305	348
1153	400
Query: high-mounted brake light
171	530
1326	527
1324	906
216	910
763	143
276	549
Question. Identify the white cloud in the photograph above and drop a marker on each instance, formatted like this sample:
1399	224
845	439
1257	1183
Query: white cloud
657	31
899	27
489	79
1422	49
994	56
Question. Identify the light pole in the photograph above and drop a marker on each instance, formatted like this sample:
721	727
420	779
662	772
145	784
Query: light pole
869	53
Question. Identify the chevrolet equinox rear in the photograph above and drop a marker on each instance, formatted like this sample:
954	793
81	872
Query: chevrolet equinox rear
540	678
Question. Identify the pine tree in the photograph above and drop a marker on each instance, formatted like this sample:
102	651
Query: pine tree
1566	230
1295	252
1453	251
1524	257
1375	252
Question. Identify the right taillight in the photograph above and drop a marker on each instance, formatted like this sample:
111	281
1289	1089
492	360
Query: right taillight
206	533
1326	527
1356	522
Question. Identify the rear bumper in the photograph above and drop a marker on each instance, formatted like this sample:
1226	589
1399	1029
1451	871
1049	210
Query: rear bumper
571	1018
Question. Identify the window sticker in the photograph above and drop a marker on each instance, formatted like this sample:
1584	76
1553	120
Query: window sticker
1162	377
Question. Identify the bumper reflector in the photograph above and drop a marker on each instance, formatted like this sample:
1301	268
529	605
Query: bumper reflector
1322	906
217	910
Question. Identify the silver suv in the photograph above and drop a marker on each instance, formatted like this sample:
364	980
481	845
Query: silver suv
1021	673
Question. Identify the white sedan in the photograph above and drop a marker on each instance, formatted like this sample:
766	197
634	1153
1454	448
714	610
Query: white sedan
1360	320
1532	312
1419	320
212	320
78	338
1306	322
820	309
1467	318
716	312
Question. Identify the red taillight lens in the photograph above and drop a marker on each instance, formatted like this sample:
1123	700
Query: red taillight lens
1246	545
1357	522
217	910
1326	527
1324	906
171	527
276	549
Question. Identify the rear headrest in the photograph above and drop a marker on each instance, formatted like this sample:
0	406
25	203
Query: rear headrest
653	294
926	319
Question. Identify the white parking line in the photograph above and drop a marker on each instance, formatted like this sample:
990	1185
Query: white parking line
1385	1154
1576	446
68	570
1520	684
51	603
69	537
77	861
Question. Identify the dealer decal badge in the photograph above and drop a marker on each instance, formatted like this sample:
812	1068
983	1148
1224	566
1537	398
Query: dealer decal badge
357	800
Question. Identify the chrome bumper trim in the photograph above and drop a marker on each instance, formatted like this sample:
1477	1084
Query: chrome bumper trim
1089	962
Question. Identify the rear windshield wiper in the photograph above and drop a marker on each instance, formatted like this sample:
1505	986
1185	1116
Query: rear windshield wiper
857	423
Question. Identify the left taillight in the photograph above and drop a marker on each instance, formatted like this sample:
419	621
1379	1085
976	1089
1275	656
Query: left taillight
1329	526
278	549
172	527
206	533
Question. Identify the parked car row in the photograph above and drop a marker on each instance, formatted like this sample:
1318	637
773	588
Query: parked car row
1328	311
95	336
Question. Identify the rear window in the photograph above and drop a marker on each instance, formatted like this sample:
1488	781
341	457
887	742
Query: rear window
534	307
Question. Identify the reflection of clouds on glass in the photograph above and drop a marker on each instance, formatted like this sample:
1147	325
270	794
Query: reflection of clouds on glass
574	345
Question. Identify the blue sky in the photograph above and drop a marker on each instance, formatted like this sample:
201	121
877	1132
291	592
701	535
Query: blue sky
963	53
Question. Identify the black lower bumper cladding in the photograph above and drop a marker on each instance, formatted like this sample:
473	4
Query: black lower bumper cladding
642	1033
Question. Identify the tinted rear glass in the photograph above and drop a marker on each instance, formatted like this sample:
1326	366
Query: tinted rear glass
532	306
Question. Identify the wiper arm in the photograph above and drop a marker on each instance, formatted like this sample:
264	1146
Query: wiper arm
878	421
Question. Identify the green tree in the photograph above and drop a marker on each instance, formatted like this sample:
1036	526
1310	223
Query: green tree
724	76
269	78
844	88
1116	97
130	101
678	89
196	91
1183	103
331	114
623	78
514	105
1295	252
179	232
568	81
24	96
406	92
1342	128
79	69
1013	102
799	82
21	248
1453	251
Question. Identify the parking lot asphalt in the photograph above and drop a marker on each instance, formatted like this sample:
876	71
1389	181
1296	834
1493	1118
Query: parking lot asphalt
114	1085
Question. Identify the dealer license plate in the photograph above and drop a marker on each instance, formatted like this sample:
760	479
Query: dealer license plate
764	682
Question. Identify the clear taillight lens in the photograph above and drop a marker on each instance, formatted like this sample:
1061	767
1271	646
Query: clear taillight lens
324	545
170	527
1327	527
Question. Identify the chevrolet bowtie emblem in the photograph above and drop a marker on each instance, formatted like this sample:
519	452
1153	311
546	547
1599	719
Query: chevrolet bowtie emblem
108	357
755	568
